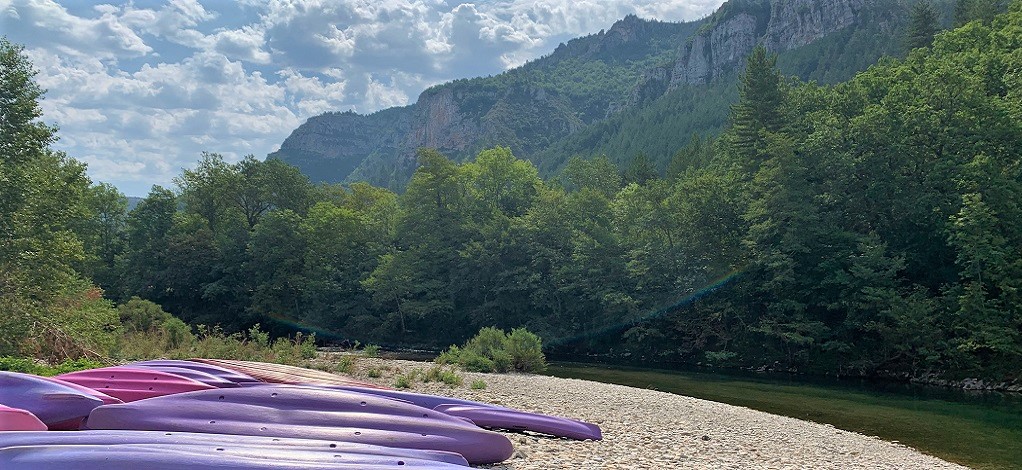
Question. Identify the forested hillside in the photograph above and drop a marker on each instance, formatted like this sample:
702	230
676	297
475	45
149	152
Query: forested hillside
639	87
870	227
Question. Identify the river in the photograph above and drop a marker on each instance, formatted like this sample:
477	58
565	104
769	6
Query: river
980	430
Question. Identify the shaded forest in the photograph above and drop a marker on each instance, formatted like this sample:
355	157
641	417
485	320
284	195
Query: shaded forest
871	227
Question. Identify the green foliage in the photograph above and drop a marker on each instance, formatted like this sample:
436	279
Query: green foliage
525	350
923	25
478	384
29	366
371	350
407	379
374	373
493	350
346	365
442	374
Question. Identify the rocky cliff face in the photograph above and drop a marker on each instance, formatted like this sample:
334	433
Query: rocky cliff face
796	23
779	25
440	123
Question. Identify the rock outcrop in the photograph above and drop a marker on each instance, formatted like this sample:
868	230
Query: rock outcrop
796	23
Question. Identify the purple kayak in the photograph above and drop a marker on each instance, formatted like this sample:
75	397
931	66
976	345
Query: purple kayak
222	372
51	402
514	420
120	437
148	456
199	376
75	423
313	413
492	416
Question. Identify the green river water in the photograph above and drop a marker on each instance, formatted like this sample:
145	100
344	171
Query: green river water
980	430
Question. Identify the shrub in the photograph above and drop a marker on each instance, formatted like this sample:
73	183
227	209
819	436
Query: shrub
25	366
177	333
138	315
345	365
371	350
492	350
374	373
406	380
525	350
442	374
478	384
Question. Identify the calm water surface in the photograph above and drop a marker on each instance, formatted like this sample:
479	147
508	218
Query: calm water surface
981	430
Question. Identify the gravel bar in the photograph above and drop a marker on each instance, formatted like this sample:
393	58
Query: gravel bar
651	429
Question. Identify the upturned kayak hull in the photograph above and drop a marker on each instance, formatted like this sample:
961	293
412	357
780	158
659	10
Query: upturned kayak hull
198	376
492	416
136	456
128	384
121	437
303	412
16	419
51	402
223	373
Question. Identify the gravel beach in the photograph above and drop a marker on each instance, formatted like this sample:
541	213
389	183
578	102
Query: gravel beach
652	429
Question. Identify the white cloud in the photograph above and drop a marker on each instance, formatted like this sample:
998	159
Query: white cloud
104	36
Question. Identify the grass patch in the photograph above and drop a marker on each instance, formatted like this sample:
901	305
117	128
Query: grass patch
443	374
407	379
478	384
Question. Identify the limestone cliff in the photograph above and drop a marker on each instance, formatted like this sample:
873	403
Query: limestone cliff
780	25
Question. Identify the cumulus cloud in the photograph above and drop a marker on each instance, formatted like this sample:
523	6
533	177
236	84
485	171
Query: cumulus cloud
140	91
104	35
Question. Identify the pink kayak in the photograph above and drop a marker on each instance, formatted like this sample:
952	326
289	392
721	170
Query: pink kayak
17	419
130	384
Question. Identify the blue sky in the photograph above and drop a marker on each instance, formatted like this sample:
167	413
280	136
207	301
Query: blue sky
140	89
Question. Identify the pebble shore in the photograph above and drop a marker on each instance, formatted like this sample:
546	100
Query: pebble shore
648	429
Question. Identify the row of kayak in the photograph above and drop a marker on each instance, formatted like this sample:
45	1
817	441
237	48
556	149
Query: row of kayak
235	414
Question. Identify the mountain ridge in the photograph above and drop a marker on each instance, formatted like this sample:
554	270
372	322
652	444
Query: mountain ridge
546	109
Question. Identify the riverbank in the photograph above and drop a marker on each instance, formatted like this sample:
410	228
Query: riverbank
652	429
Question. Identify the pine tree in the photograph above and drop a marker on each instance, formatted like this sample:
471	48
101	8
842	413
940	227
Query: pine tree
922	26
761	94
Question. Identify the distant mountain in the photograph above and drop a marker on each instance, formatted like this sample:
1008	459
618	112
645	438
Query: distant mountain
641	86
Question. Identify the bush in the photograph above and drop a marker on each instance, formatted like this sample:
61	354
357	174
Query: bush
478	384
138	315
406	380
525	350
371	350
25	366
345	365
493	350
442	374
